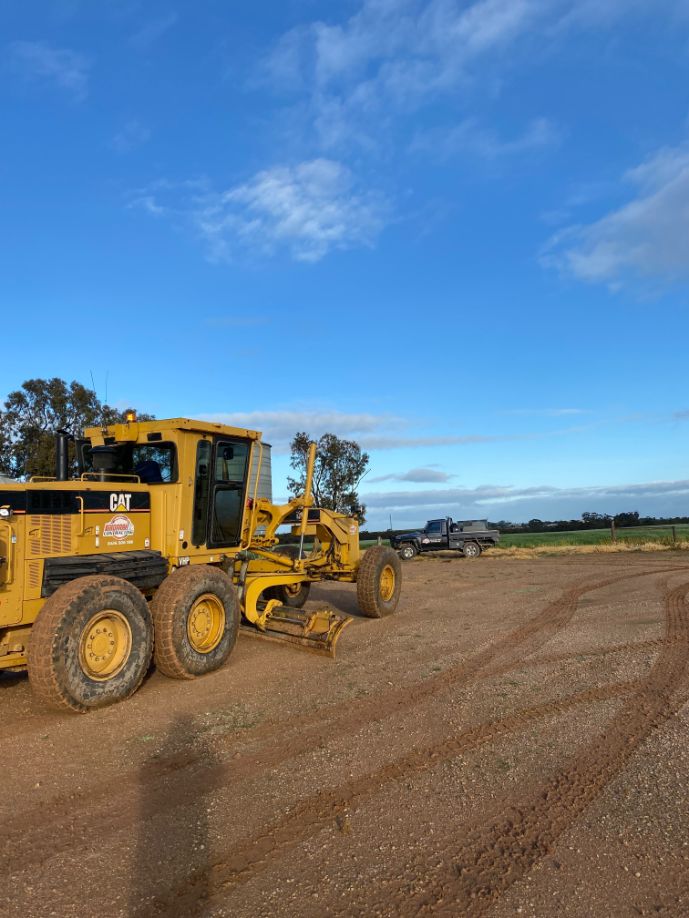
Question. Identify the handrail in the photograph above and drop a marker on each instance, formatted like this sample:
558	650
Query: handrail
254	507
10	551
81	514
105	476
42	478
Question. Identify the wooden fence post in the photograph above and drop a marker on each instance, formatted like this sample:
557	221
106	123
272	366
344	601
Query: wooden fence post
613	533
674	534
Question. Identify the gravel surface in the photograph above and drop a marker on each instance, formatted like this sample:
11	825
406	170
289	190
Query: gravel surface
513	741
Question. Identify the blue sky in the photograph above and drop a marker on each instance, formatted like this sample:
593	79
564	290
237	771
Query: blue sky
455	231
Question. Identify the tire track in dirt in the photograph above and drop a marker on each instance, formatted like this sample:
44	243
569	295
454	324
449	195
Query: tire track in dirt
498	855
310	817
67	819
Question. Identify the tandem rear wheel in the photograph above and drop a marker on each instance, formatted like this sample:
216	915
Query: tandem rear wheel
196	620
91	644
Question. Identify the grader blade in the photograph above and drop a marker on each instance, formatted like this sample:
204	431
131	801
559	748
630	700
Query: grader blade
316	631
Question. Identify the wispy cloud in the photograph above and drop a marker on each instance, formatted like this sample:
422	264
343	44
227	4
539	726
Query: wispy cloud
279	427
133	134
391	57
247	321
549	412
399	442
645	239
498	495
472	138
153	31
419	476
308	210
40	62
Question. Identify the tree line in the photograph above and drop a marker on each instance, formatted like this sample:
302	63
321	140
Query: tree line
32	414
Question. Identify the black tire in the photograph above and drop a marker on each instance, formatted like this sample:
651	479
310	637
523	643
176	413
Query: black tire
91	644
195	620
379	581
293	595
408	551
471	550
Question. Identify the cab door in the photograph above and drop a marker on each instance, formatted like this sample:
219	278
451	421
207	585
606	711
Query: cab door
227	499
434	536
226	492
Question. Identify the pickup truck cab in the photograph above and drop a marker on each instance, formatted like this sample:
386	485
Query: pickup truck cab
469	537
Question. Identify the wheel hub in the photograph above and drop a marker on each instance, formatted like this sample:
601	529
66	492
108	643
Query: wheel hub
206	623
387	583
105	645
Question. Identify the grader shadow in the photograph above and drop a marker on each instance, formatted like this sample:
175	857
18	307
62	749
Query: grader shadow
176	784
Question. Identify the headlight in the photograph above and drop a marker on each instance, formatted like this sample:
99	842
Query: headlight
5	512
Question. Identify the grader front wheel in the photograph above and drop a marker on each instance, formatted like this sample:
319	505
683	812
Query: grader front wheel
379	581
91	644
195	619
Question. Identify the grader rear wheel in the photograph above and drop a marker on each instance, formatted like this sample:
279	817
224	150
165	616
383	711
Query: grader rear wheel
196	620
91	644
379	581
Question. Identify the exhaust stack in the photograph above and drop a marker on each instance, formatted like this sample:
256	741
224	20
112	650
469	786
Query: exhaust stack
62	438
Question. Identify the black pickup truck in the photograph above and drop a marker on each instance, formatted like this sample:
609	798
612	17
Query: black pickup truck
469	537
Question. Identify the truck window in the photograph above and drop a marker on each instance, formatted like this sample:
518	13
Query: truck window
434	526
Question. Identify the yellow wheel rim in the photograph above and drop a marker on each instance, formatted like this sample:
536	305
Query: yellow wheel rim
293	588
387	583
206	623
105	645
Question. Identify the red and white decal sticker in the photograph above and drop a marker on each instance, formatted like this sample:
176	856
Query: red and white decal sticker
120	527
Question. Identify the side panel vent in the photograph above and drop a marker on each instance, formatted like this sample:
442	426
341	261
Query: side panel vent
50	535
34	578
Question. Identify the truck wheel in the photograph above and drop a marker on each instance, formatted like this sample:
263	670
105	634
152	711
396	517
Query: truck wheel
91	644
195	621
379	581
471	550
289	594
408	551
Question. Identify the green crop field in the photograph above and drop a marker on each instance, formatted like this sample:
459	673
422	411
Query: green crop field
636	534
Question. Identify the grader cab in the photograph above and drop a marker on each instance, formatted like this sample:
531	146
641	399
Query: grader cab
161	546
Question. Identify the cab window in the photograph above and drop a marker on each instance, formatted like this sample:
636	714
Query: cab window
229	480
154	463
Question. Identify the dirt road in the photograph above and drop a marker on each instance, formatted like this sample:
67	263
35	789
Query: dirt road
515	740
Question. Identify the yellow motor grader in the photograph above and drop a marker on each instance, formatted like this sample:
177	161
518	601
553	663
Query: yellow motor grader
160	547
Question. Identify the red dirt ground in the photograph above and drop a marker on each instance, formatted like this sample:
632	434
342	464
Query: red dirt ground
514	740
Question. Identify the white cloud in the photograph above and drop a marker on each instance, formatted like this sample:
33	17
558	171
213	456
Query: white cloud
390	57
647	238
549	412
279	427
309	210
391	442
501	497
420	476
410	508
154	30
40	62
471	137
